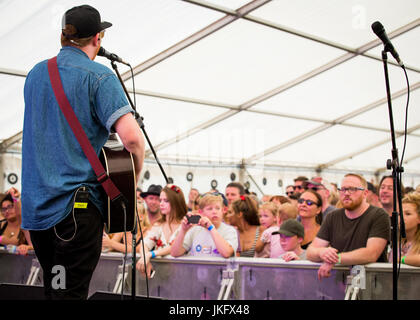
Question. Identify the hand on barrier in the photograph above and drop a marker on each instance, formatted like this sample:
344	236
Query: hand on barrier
23	249
289	256
324	270
329	255
140	266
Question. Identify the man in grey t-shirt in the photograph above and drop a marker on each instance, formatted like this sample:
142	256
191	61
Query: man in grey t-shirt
356	234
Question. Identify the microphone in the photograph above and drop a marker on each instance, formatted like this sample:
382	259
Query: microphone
111	56
379	30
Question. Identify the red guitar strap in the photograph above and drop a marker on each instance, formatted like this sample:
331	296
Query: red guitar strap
101	175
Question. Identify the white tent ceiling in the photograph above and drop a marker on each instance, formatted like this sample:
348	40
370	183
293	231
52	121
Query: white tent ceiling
276	83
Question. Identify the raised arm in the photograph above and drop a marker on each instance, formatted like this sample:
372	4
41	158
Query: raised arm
177	248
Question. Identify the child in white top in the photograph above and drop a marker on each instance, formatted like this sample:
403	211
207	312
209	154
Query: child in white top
209	236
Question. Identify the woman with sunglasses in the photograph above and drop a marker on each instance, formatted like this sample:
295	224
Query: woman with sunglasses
159	239
10	230
309	210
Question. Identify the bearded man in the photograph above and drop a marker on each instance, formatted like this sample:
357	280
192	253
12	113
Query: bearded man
355	234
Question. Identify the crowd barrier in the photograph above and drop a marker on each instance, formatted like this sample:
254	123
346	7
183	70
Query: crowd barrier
192	278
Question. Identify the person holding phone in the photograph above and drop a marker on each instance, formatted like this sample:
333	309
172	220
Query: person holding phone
205	234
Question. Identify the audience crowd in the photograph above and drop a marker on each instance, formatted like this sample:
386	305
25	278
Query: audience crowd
313	220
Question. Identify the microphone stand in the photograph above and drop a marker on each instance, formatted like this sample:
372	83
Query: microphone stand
396	170
139	120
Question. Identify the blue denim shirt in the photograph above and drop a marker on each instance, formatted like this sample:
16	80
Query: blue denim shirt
53	163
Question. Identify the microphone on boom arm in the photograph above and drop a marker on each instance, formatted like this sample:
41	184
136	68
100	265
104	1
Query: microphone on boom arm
111	56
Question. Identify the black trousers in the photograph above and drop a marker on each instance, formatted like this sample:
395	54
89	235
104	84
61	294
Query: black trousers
69	252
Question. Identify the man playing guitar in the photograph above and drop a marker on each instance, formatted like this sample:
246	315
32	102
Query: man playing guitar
62	201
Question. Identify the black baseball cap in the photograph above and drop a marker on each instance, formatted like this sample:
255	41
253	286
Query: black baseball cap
86	20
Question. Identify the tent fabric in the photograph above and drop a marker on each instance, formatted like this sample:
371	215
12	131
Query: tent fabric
282	84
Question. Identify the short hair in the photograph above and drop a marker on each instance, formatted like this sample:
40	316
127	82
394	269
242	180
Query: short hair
237	185
361	178
281	199
301	178
287	211
210	199
67	38
272	207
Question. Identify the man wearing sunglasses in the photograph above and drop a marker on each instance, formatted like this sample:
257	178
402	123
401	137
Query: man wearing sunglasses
62	202
324	189
300	184
356	234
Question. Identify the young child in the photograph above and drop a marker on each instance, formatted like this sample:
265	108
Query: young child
286	211
268	215
210	236
291	236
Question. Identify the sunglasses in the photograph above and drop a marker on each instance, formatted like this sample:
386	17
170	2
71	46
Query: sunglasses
289	193
297	187
9	207
308	202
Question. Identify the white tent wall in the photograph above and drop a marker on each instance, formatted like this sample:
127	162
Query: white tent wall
10	170
286	88
277	178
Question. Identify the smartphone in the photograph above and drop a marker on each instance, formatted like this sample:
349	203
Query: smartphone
193	219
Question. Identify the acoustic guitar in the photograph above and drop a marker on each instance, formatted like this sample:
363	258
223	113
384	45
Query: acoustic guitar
119	165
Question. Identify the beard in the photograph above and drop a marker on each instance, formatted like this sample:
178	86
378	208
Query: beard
353	204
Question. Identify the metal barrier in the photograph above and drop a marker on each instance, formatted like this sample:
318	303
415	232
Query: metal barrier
379	282
192	278
242	279
19	269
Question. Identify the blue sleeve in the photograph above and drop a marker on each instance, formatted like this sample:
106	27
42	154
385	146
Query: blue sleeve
111	102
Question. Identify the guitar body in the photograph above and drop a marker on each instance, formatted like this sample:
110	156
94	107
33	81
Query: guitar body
119	165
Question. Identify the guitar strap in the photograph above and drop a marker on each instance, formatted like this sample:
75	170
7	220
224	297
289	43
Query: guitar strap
101	175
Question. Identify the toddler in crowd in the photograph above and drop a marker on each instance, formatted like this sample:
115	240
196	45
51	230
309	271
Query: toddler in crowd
209	236
291	236
286	211
268	216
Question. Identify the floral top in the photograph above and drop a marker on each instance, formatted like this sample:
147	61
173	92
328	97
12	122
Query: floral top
155	238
